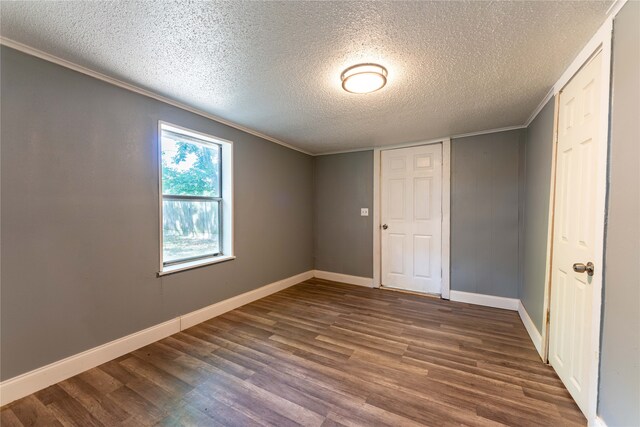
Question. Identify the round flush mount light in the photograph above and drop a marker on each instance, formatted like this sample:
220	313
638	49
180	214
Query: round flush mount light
364	78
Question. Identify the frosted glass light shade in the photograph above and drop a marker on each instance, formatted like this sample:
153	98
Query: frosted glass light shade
364	78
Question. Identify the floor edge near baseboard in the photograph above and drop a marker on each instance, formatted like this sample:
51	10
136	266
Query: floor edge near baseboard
513	304
533	332
344	278
30	382
485	300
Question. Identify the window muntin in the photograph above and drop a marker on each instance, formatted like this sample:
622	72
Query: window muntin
192	202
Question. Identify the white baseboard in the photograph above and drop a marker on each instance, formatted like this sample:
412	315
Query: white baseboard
486	300
211	311
344	278
597	422
30	382
531	328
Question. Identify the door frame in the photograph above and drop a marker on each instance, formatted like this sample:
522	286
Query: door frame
600	42
446	211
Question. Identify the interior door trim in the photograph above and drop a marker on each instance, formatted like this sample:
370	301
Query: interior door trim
600	42
446	212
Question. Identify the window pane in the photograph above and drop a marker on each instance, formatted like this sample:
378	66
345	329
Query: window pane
190	228
188	167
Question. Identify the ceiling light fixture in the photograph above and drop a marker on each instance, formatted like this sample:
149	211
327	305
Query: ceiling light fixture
364	78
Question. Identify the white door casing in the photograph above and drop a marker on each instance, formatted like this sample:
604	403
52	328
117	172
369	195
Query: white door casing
575	238
411	208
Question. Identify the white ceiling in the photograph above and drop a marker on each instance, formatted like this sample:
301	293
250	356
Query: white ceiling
454	67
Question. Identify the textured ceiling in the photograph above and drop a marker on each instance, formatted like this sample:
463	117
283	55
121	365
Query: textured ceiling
454	67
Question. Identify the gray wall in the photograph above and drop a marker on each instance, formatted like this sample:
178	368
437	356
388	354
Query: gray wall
343	238
620	355
486	196
79	215
485	208
538	153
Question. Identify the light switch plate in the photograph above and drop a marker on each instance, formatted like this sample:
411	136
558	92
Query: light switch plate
364	211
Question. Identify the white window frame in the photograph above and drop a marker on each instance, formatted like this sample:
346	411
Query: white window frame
226	196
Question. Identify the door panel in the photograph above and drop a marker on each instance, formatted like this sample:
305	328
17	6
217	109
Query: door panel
411	207
422	256
396	199
396	251
575	230
421	197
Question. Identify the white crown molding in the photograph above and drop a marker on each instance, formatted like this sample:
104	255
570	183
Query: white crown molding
540	106
486	300
615	7
611	13
535	336
133	88
416	143
40	378
488	131
352	150
579	59
588	51
413	144
344	278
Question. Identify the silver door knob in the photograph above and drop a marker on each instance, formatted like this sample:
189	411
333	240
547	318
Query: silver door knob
579	267
385	226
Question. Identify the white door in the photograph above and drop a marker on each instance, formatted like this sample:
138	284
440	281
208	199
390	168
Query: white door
411	214
575	228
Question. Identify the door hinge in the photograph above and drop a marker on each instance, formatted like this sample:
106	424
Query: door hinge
548	316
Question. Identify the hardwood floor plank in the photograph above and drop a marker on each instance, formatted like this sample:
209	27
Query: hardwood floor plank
153	393
33	413
424	411
117	372
462	394
67	410
143	411
272	384
321	353
100	381
157	376
248	404
364	414
174	368
191	344
313	388
188	416
328	422
100	406
9	419
218	412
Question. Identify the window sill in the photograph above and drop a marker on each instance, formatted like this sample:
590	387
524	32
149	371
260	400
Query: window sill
194	264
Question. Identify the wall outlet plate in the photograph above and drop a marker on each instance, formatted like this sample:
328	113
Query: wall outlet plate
364	211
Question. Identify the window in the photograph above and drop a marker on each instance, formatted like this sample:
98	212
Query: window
196	211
